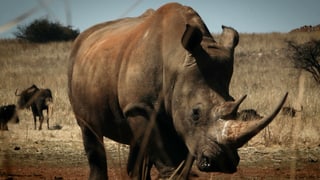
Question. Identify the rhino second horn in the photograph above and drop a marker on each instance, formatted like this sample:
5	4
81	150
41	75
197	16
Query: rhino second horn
230	108
236	132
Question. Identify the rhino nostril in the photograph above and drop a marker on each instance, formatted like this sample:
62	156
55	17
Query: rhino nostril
205	163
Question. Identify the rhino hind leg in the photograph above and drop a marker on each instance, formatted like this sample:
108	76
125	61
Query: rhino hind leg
96	155
133	153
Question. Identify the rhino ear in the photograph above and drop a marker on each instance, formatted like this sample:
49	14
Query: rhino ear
191	38
229	37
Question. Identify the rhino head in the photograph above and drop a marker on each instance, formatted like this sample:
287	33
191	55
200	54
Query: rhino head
204	113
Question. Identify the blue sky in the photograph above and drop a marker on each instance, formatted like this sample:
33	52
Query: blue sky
247	16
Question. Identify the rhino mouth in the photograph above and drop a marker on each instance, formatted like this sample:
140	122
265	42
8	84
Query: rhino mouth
222	159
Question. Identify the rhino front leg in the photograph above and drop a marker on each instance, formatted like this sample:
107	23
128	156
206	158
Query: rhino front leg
94	148
139	165
138	117
138	169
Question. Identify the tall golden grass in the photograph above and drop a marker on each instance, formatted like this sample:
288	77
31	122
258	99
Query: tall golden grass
262	70
23	64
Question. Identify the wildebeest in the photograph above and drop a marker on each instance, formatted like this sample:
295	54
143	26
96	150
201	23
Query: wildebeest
38	100
248	114
8	113
288	111
160	83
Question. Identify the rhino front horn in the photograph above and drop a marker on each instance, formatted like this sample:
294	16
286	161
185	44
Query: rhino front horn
237	133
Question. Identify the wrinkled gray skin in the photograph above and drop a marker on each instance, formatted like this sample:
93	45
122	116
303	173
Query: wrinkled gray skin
163	67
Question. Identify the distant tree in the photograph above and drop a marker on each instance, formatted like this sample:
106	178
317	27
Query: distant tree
306	56
42	30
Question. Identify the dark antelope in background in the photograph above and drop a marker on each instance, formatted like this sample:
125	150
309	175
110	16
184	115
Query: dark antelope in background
38	100
248	114
8	113
160	83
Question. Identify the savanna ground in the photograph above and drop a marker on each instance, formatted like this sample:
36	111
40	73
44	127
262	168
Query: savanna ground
288	148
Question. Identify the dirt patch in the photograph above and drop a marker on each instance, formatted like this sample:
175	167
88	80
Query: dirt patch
58	154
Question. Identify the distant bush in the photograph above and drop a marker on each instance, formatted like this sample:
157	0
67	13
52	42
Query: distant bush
306	56
42	30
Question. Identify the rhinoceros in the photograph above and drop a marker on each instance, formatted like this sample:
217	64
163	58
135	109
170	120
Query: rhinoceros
159	83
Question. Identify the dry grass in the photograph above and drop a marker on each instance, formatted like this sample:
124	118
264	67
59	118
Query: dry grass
23	64
262	71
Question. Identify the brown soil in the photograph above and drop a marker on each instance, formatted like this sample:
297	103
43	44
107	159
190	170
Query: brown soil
58	154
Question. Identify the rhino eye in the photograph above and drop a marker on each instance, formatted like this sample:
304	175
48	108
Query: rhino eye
195	114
